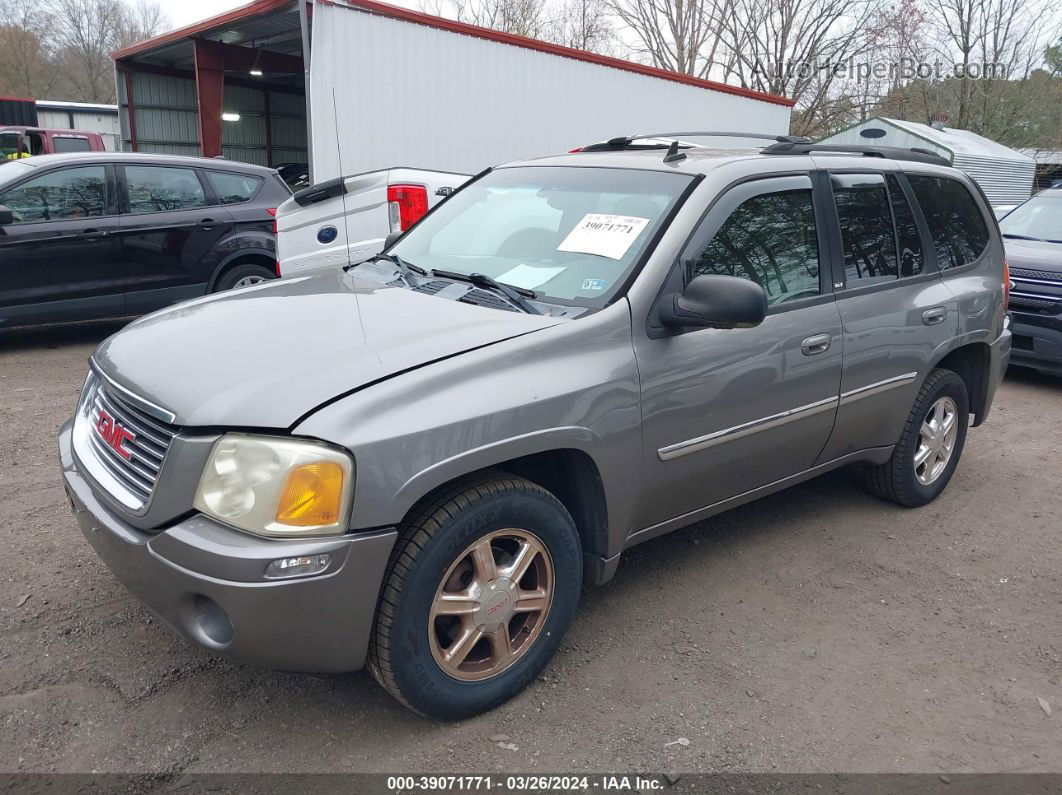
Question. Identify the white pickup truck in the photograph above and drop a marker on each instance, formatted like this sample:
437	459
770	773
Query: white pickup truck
347	220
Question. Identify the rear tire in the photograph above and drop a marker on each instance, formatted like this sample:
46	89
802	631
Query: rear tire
459	629
243	276
928	452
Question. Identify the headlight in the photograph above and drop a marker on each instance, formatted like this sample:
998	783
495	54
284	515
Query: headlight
277	487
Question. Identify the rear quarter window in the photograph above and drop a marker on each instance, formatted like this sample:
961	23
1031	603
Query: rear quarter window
61	145
955	223
234	188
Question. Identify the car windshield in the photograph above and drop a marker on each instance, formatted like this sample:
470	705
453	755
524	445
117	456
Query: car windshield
1040	218
11	170
570	234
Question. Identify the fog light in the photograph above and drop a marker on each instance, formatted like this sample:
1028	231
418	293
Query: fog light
302	566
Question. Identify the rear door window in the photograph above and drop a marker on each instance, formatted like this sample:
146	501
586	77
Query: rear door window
908	238
154	189
955	223
865	217
60	195
234	188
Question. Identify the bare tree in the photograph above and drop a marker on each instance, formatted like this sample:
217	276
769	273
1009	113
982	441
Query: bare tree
26	68
679	35
582	24
87	31
522	17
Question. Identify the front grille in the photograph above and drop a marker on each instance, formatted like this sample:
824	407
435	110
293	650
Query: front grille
147	448
1026	273
1052	306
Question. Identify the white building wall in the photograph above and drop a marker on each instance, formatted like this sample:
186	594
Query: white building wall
103	122
386	92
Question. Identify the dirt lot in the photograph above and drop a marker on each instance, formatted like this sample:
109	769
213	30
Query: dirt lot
818	630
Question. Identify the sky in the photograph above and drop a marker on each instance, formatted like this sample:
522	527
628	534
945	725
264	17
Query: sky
185	12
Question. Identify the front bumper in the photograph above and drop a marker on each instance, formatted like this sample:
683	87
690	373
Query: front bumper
1037	341
206	581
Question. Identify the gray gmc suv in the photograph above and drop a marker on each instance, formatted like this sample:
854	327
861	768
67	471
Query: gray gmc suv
417	463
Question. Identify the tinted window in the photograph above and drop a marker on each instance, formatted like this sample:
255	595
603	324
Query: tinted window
67	193
233	188
955	223
9	144
155	189
866	228
71	145
769	239
907	235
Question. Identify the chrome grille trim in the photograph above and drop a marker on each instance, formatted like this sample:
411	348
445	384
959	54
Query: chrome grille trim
130	481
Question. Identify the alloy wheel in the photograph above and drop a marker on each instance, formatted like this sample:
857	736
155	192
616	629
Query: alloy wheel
491	605
936	440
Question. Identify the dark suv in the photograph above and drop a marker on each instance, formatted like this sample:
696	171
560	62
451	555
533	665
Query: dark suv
1032	235
105	234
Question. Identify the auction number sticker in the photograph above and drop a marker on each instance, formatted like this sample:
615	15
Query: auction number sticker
604	235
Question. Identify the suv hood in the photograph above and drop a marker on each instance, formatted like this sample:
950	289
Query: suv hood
1039	255
264	356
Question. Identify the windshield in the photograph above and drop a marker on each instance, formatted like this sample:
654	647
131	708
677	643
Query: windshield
1040	218
570	234
11	170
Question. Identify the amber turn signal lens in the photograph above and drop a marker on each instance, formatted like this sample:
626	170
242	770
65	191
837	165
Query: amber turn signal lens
312	495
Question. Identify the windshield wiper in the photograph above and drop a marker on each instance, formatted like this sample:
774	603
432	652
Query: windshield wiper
1024	237
516	295
405	268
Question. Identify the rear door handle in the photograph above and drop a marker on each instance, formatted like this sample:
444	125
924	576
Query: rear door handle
820	343
205	225
93	234
934	316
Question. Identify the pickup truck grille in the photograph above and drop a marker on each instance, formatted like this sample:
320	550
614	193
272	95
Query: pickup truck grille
146	447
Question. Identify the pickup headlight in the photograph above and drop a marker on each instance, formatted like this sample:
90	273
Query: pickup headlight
277	487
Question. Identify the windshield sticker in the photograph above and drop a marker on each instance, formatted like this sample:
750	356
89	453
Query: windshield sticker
604	235
528	277
593	284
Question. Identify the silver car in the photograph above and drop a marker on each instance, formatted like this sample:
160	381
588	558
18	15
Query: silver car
417	463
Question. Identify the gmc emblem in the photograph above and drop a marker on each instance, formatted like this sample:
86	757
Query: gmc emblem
114	434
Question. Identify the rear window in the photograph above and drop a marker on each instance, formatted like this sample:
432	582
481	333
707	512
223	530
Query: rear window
61	145
234	188
955	223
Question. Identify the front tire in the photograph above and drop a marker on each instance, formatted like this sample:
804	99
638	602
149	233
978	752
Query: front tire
479	591
928	452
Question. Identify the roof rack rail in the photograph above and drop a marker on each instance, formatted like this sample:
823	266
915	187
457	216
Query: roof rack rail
915	153
624	141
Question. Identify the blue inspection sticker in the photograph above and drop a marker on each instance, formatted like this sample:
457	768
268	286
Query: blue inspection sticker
593	284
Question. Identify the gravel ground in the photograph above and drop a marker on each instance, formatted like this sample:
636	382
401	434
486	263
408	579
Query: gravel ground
816	630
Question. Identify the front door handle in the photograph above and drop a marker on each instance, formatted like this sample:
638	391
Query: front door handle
820	343
934	316
93	234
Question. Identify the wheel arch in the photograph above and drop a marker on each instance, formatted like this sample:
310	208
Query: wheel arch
253	256
971	361
573	477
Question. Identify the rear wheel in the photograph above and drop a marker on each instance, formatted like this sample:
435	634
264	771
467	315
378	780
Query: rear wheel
929	448
243	276
480	589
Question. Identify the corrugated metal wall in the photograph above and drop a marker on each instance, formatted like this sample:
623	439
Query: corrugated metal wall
387	92
167	122
1003	181
106	124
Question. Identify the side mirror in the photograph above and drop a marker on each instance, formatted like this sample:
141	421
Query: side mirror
715	302
6	216
391	239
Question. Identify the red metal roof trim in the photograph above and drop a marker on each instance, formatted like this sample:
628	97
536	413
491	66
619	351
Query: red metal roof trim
257	8
266	6
554	49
